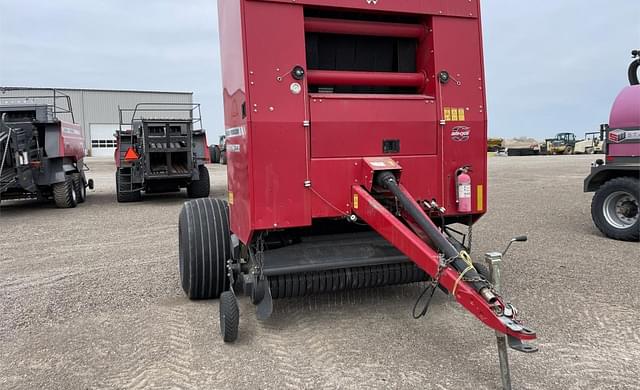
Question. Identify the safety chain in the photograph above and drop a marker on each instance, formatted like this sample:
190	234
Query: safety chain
435	281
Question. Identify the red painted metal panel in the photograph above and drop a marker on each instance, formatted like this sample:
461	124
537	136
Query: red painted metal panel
273	154
356	126
465	91
388	79
461	8
624	150
355	27
237	129
71	140
394	231
275	44
331	193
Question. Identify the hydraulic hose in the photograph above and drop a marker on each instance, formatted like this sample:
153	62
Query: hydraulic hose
388	181
633	68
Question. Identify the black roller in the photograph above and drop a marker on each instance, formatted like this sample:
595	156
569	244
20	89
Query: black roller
311	283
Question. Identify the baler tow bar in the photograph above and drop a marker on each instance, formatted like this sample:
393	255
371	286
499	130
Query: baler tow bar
422	242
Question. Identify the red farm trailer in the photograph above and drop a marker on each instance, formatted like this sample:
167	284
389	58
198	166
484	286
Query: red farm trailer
355	134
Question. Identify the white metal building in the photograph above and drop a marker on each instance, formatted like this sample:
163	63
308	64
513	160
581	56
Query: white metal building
97	109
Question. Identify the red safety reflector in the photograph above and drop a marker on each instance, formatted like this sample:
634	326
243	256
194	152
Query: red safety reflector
131	155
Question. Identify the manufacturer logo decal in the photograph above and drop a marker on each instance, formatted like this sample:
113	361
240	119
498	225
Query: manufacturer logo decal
621	135
460	133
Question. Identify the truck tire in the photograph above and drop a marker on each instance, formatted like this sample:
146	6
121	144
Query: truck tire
126	196
204	246
614	209
64	194
202	187
79	187
568	150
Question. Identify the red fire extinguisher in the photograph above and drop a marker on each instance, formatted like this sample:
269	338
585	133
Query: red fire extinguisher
463	189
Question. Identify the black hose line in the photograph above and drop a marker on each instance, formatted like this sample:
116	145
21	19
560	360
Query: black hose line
633	72
387	180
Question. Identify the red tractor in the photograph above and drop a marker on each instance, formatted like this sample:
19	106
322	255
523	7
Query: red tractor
41	150
356	136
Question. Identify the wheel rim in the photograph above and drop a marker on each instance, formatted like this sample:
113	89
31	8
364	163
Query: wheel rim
620	209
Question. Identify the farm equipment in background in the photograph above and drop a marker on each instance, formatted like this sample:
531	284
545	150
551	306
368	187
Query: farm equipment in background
163	149
495	144
41	156
616	179
347	172
219	152
593	142
531	148
563	143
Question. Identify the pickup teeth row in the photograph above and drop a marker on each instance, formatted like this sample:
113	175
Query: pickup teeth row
311	283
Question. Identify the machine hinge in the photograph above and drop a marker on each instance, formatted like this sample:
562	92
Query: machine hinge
306	124
307	183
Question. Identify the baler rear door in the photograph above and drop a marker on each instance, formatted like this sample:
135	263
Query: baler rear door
357	125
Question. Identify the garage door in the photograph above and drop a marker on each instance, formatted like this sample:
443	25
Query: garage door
103	141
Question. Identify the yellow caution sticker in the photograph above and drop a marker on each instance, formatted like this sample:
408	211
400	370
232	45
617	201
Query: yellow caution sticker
480	197
460	114
356	199
447	113
454	114
230	197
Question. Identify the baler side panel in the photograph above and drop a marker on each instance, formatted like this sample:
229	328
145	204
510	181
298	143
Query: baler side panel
462	104
279	140
235	114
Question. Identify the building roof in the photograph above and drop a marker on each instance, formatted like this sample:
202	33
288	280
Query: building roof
2	88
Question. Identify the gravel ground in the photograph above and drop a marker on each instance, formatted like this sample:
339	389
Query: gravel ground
89	298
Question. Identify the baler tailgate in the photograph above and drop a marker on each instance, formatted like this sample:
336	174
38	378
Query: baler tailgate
425	257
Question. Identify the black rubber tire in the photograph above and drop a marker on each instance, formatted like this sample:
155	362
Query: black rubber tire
482	270
202	187
626	184
633	72
79	187
229	317
568	150
204	245
64	194
126	196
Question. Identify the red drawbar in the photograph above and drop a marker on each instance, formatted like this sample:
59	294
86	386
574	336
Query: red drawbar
401	236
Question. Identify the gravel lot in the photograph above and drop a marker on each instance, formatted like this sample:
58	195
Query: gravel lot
89	298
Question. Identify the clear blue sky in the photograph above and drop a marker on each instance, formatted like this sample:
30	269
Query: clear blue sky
551	65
